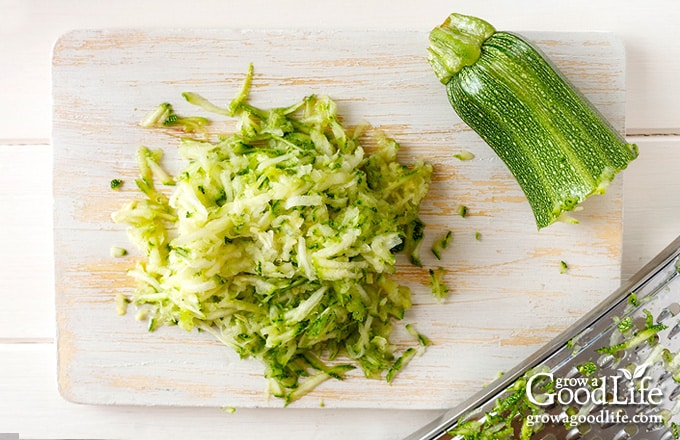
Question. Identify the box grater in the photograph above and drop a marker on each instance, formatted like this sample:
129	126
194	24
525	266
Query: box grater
628	409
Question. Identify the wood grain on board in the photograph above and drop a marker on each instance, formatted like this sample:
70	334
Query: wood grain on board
508	295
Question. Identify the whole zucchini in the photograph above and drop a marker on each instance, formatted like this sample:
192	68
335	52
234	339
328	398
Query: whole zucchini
557	145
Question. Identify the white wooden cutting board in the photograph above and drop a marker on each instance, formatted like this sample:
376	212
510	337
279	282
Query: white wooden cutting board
508	295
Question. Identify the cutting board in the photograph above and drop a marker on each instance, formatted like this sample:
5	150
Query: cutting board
508	295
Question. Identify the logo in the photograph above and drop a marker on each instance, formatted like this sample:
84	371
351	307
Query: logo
635	389
609	393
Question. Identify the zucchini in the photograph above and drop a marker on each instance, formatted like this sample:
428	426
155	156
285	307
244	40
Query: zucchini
279	240
557	145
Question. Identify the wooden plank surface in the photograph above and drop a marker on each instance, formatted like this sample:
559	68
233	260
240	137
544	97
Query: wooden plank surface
647	29
31	405
508	295
26	234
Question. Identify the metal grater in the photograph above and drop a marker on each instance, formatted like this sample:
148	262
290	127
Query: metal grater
657	288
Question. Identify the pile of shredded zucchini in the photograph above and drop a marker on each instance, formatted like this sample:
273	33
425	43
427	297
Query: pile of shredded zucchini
279	239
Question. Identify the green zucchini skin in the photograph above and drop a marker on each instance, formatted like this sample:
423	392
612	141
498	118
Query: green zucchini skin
557	145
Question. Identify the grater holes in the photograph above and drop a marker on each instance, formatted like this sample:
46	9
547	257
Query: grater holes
664	376
551	407
573	434
627	432
573	372
642	348
621	436
666	436
664	314
584	428
640	322
674	331
631	430
648	414
654	426
606	425
606	361
674	394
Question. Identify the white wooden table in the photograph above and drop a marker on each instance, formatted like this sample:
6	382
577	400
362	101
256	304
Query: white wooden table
29	401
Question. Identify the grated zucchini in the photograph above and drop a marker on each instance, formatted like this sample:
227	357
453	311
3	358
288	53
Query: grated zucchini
279	240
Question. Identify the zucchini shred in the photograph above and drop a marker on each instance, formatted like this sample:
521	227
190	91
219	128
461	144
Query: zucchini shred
279	240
